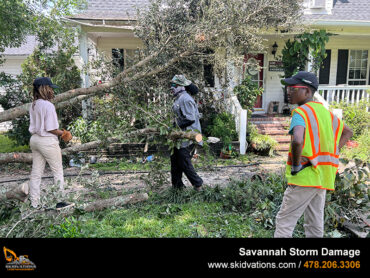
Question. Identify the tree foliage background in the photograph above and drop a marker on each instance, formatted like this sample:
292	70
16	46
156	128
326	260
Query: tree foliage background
52	57
178	37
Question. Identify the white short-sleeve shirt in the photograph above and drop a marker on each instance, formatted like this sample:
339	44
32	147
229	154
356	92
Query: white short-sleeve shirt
43	118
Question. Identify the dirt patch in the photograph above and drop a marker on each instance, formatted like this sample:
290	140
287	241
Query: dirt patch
85	180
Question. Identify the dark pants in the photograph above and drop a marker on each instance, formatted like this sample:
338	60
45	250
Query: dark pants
181	163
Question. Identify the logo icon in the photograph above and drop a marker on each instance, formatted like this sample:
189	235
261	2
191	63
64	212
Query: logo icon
21	263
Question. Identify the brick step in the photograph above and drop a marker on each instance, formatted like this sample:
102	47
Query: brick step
272	125
282	139
273	131
282	147
269	119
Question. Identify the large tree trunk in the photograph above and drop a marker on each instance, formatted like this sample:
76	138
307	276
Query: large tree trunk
27	157
76	95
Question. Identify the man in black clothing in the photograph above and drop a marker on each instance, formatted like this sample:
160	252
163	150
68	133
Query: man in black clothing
187	118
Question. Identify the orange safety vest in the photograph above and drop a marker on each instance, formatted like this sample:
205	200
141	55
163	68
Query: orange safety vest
320	147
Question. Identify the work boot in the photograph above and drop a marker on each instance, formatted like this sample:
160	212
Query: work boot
198	188
64	205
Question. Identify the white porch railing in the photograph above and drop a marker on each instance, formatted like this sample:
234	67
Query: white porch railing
240	114
344	93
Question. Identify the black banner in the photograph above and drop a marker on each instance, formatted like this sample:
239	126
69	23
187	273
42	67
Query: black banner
57	256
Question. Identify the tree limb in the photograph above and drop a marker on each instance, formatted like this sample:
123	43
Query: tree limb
27	157
79	94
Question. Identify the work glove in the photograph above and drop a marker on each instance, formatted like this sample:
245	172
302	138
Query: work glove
66	136
296	169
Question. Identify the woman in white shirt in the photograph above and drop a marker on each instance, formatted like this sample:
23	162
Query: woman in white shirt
44	142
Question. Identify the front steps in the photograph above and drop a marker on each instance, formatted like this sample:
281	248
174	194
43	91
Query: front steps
276	126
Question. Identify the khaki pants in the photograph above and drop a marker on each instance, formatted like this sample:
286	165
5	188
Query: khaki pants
44	149
298	200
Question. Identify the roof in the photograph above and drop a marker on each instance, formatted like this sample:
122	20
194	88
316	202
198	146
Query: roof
112	9
26	49
346	10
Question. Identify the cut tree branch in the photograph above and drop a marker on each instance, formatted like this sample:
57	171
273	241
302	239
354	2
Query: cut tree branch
27	157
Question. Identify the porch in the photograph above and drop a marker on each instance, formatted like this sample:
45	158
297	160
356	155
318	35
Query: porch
345	93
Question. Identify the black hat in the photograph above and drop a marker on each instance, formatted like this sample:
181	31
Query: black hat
304	77
192	89
44	81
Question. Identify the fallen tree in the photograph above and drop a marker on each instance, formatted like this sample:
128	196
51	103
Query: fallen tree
27	157
179	33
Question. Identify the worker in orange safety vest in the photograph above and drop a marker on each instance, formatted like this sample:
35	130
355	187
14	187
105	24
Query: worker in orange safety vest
317	137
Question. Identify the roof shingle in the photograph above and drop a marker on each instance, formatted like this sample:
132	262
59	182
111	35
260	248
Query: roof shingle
351	10
108	9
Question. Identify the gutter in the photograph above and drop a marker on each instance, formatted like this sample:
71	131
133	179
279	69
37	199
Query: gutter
347	23
103	25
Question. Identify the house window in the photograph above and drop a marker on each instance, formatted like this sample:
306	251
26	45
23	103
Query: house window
311	4
208	70
118	58
357	70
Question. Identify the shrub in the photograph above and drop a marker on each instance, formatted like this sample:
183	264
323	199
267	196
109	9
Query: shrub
86	131
355	116
351	196
362	151
262	143
60	67
223	127
247	93
8	145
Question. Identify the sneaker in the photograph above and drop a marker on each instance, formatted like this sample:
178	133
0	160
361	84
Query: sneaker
64	205
24	188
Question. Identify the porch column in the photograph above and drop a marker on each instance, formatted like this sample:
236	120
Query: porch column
84	58
309	63
243	131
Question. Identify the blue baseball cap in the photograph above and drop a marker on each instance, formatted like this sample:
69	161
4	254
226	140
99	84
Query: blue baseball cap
44	81
302	77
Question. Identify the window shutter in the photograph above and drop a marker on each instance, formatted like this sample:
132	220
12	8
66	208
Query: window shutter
342	67
324	73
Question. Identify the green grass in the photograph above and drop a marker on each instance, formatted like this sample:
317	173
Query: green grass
8	145
167	220
233	212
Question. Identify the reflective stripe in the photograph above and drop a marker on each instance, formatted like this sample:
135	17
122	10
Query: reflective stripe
328	159
320	159
336	131
314	126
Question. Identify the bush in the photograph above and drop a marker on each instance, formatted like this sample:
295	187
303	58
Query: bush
355	116
60	67
247	93
261	143
8	145
223	127
362	151
351	196
86	131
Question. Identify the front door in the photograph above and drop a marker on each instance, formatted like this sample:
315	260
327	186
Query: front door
256	72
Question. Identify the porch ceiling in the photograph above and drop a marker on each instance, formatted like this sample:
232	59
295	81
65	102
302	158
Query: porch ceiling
127	34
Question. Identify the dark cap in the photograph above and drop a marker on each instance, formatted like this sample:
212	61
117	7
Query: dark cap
304	77
44	81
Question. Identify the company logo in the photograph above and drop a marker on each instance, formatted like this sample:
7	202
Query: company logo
15	263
